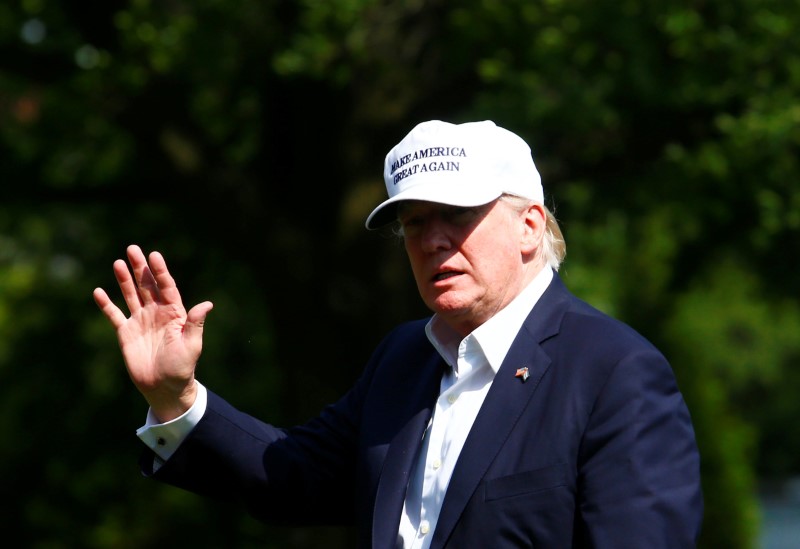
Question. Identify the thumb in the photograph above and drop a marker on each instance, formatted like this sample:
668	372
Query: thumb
195	319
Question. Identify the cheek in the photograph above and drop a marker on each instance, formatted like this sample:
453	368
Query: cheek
493	269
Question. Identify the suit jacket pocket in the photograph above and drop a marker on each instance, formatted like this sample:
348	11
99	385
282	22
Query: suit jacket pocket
526	482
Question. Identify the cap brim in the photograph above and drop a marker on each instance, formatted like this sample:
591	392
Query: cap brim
453	193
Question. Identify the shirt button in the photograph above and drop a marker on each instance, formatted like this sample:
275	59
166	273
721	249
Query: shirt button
424	527
161	441
437	463
452	398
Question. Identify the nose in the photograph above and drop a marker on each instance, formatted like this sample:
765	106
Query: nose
434	235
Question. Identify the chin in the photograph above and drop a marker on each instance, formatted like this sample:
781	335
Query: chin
450	310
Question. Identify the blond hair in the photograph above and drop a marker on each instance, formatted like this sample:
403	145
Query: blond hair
554	247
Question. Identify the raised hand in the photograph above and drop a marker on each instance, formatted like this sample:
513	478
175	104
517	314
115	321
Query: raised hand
160	341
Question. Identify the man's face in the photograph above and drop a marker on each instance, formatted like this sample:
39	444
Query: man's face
467	262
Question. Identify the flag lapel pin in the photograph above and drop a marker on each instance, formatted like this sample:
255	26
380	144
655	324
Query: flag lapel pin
523	373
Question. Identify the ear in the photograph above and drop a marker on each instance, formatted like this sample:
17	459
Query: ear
534	221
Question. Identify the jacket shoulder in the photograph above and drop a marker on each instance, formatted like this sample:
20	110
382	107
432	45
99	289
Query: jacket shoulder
581	327
408	337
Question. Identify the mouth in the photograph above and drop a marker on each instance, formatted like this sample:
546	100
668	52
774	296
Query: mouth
438	277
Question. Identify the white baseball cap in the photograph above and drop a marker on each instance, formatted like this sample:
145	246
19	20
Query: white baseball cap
457	164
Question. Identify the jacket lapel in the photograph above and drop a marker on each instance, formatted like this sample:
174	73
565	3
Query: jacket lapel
401	456
504	405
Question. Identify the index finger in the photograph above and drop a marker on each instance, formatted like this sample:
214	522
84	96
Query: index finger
114	315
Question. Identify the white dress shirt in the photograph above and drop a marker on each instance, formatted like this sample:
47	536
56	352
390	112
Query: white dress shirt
474	361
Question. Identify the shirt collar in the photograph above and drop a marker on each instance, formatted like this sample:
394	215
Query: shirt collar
495	336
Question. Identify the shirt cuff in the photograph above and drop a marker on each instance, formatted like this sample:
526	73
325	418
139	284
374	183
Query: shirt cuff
165	438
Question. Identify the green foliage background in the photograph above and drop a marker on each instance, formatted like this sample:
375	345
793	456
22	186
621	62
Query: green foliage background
245	141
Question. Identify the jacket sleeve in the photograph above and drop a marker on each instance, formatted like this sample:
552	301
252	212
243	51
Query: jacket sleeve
301	475
638	477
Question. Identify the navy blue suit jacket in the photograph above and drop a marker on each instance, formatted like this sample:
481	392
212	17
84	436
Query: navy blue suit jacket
594	449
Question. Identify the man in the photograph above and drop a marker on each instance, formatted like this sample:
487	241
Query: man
517	416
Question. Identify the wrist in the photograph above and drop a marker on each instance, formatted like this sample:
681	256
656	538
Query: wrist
167	405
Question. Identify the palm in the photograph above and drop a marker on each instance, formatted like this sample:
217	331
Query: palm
154	348
160	341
